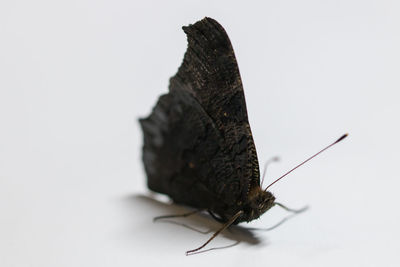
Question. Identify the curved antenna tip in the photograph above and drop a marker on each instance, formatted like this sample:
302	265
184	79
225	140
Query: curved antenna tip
341	138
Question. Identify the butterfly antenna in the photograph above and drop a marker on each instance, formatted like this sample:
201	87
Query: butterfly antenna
313	156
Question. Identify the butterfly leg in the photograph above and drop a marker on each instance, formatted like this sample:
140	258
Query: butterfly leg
226	225
274	159
284	219
291	210
177	215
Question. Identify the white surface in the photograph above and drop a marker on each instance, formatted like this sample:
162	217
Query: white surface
76	75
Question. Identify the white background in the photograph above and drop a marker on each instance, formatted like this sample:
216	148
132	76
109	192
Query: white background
76	75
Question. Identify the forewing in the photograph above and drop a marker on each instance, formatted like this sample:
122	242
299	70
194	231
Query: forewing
210	73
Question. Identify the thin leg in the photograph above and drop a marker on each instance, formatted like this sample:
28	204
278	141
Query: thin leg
226	225
284	219
274	159
177	215
291	210
276	225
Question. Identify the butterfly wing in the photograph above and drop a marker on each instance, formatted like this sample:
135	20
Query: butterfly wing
183	153
198	140
210	72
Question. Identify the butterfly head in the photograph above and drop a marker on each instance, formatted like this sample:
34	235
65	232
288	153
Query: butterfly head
259	202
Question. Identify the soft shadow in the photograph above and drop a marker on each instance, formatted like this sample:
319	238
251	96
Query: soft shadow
196	222
210	249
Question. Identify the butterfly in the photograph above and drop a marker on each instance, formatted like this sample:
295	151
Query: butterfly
198	146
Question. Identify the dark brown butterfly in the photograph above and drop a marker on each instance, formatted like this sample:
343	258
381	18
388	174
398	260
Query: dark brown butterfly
198	147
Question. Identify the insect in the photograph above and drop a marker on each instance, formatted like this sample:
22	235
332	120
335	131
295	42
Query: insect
198	146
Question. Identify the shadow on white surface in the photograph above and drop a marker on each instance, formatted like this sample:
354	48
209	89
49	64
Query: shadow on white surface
201	222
